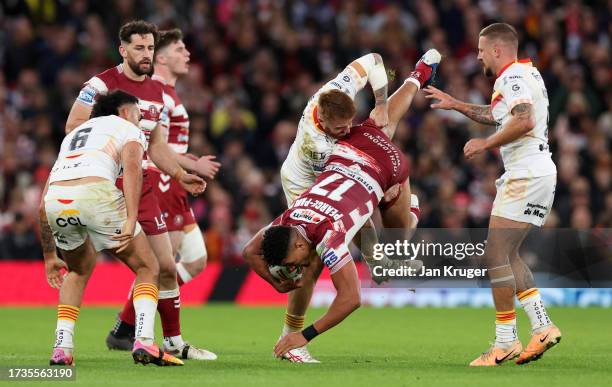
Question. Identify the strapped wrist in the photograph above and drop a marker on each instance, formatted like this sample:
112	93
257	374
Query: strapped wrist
310	332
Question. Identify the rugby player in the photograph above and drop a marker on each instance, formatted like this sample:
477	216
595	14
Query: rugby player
363	165
86	213
525	192
327	118
171	60
137	46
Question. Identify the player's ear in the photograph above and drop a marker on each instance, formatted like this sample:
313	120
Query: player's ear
122	50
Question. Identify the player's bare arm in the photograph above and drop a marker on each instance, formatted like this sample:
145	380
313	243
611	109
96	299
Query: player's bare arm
347	300
479	113
253	255
205	166
166	160
520	124
79	113
372	67
131	155
53	264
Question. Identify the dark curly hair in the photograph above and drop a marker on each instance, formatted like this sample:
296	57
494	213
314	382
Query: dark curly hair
275	244
139	27
108	105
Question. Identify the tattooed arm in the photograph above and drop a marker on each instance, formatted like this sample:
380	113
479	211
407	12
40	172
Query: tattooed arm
478	113
53	265
519	125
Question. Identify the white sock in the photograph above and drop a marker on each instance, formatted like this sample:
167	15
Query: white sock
505	328
64	333
145	306
174	342
532	304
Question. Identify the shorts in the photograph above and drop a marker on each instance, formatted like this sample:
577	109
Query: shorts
95	210
149	214
172	199
527	200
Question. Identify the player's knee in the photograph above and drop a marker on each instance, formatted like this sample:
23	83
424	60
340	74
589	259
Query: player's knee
167	270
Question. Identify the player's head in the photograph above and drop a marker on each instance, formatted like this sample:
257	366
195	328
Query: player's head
497	45
335	111
138	39
284	245
170	51
118	103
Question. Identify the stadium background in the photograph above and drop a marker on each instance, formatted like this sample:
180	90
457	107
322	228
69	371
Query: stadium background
253	66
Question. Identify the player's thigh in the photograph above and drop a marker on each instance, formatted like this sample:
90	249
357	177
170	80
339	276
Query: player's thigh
81	260
395	211
176	238
162	247
139	255
504	239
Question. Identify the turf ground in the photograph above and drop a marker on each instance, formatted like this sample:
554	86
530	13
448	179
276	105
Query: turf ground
429	347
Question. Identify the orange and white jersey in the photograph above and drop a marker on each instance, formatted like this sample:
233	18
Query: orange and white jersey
312	147
517	83
94	149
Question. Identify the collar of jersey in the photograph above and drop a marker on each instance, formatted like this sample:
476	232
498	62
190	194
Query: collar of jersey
315	118
524	61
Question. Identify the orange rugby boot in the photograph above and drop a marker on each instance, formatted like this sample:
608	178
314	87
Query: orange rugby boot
540	343
497	355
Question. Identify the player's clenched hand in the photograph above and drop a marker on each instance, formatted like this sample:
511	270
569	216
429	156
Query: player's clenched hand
292	341
207	166
195	185
380	115
126	236
285	286
53	269
445	101
474	147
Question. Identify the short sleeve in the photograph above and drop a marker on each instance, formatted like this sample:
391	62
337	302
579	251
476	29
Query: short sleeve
334	251
515	91
133	133
348	81
90	90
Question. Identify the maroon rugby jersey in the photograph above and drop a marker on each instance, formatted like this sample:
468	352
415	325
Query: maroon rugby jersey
362	166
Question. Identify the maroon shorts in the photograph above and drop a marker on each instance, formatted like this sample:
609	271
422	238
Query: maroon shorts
173	202
149	215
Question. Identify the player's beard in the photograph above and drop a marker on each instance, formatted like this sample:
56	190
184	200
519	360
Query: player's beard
138	70
487	71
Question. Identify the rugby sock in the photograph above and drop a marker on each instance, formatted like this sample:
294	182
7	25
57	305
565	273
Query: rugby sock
66	318
505	328
293	323
532	304
127	317
145	305
169	307
182	275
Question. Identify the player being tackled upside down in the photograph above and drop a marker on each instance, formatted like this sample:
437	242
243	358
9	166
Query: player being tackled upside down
519	110
86	213
361	166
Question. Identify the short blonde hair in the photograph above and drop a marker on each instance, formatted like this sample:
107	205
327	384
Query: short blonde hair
334	104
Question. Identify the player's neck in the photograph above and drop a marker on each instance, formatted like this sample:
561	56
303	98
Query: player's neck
504	63
131	74
168	76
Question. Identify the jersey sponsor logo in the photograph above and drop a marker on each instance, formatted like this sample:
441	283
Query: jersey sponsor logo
346	79
329	258
536	210
87	95
305	215
516	89
337	85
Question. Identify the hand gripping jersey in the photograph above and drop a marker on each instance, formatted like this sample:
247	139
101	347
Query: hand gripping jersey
517	83
312	147
361	167
94	149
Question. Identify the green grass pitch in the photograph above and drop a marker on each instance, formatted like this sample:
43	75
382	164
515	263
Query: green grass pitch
373	347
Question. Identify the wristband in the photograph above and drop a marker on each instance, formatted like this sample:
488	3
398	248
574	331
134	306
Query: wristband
310	332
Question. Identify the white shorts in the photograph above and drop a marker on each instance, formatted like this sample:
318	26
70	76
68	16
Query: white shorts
527	200
96	210
293	186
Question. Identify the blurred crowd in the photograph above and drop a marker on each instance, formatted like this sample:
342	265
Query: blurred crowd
254	64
